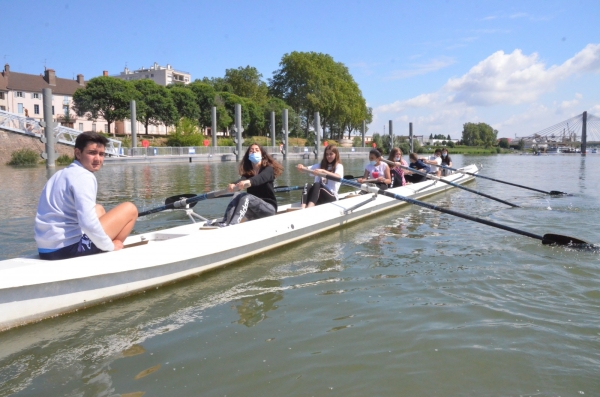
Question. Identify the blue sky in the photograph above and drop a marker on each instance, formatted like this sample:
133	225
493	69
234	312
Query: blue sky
519	66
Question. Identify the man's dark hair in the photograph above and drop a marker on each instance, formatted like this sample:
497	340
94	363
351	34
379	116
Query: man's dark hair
89	137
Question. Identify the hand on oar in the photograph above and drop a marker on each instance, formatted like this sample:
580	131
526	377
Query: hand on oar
547	239
433	177
551	192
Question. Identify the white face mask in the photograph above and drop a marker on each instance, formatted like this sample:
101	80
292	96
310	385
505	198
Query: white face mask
397	159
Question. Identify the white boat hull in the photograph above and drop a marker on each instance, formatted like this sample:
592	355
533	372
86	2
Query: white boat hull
32	289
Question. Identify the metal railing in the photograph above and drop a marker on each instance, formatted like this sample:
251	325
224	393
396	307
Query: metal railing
30	126
219	150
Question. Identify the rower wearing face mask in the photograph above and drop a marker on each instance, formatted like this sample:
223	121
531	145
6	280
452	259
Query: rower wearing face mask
397	173
446	162
258	170
434	161
376	171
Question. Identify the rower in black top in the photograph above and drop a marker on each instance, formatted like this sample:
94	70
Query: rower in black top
258	170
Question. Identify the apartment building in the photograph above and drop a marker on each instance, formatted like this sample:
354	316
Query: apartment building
21	93
162	75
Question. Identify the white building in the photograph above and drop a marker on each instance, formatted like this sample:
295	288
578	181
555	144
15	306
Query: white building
162	75
21	93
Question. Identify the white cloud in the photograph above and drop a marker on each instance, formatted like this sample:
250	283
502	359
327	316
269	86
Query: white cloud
496	89
423	68
517	78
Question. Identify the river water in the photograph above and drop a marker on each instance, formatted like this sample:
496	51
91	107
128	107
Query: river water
409	303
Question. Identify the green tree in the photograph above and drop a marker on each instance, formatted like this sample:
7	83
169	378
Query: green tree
217	83
185	101
105	97
155	105
310	82
246	82
205	98
480	134
504	144
277	105
186	134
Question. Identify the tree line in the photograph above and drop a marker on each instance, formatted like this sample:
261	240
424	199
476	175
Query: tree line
306	82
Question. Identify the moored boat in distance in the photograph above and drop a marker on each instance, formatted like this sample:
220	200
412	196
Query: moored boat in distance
32	289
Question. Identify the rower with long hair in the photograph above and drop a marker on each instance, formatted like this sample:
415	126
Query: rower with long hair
446	162
323	190
396	172
258	170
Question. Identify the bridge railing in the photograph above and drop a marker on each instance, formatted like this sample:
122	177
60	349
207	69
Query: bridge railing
219	150
30	126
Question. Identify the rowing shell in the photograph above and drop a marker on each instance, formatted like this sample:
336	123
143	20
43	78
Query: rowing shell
32	289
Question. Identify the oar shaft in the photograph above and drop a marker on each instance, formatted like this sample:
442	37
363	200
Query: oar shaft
452	183
440	209
496	180
552	239
183	202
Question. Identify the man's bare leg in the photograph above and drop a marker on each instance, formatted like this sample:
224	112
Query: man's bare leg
119	221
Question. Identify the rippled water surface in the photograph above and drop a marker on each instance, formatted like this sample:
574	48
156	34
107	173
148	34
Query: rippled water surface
410	303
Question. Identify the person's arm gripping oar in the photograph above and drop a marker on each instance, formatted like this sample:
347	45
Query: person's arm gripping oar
184	201
551	192
547	239
433	177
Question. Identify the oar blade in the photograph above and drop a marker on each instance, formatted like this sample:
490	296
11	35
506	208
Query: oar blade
557	193
557	239
172	199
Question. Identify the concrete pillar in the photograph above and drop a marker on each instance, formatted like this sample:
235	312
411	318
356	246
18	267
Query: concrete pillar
317	126
363	131
273	142
584	134
213	126
391	132
133	109
410	137
238	132
49	155
285	133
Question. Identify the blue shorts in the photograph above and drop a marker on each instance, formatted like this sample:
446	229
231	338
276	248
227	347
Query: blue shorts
85	246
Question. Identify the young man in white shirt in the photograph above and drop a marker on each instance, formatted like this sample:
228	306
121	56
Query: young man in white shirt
68	222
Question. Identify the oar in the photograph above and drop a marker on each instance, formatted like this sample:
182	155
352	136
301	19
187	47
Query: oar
551	192
433	177
172	199
183	200
547	239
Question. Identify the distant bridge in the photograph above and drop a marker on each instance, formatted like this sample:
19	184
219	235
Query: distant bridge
574	134
31	127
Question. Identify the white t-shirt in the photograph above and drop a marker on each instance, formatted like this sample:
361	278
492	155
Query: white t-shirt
332	185
379	168
67	209
438	161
